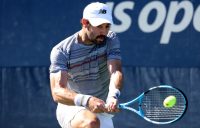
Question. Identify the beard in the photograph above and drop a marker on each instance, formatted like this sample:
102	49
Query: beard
100	39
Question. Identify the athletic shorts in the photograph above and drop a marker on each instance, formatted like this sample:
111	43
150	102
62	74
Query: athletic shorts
66	113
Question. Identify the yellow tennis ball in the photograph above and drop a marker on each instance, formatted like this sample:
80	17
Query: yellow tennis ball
169	101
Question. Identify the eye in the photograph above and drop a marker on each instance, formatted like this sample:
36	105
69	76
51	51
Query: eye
108	26
104	26
100	26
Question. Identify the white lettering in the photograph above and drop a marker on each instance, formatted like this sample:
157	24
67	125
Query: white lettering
119	14
170	25
144	15
196	19
175	19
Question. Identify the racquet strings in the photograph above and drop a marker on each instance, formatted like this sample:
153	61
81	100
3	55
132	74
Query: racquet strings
153	109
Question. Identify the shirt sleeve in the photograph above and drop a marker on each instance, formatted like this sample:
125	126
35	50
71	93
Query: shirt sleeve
113	51
58	60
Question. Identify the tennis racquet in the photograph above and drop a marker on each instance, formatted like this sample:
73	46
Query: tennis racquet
149	105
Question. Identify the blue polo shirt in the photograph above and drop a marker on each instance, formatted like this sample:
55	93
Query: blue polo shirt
86	65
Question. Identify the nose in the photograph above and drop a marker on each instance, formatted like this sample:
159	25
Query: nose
103	32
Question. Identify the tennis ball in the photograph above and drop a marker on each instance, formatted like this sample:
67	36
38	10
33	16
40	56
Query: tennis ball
169	101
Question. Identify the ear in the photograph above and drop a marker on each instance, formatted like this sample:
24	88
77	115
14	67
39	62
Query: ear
84	22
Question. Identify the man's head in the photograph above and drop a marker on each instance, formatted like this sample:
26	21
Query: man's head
96	21
97	14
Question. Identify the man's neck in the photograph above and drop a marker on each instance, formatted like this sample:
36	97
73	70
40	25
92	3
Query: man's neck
83	39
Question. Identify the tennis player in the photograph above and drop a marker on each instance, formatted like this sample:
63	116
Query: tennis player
85	72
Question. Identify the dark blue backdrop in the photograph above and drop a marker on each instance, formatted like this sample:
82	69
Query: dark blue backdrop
159	44
29	29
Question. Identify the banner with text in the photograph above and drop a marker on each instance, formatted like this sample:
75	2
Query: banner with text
152	33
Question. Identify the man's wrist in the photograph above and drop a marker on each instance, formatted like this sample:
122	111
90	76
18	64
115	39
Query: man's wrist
81	100
114	92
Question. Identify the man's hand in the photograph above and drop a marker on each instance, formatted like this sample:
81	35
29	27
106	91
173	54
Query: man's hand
96	105
111	105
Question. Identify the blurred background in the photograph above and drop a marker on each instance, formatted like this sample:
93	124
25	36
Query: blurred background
160	42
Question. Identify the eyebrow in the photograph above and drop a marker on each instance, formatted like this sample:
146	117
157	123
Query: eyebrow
107	25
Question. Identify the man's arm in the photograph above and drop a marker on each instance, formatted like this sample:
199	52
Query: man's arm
115	70
62	94
59	90
116	77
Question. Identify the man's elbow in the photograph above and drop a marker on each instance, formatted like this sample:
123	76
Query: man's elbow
55	95
55	98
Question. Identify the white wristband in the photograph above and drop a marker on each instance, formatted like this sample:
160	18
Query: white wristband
114	92
81	100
